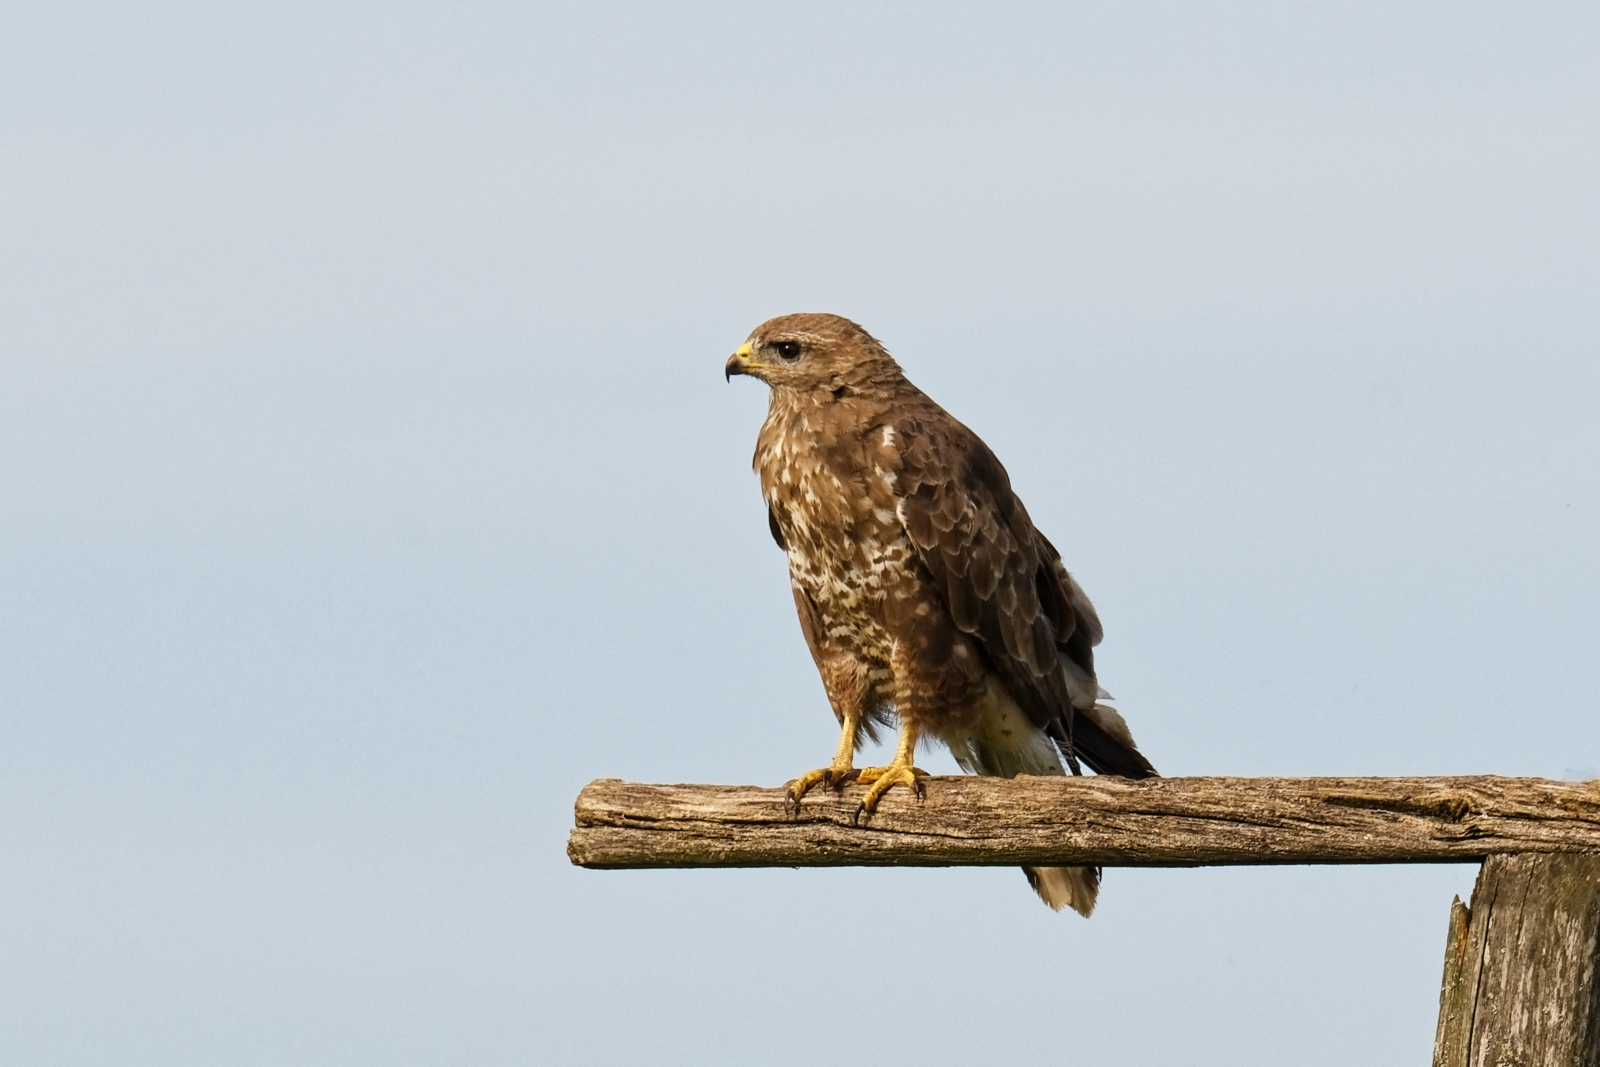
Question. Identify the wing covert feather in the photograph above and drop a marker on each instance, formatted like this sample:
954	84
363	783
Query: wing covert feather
1002	582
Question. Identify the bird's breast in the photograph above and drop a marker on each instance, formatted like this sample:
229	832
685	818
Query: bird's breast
847	548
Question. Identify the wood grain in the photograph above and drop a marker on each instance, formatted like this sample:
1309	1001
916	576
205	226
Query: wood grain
1520	977
1105	821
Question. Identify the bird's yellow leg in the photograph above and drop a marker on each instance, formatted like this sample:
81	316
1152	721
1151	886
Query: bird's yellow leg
900	771
834	774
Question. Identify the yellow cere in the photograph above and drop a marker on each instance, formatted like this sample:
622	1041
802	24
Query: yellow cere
743	350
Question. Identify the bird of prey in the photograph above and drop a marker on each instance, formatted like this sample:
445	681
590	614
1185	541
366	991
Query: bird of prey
925	593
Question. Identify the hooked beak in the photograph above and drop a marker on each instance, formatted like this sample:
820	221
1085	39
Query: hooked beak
736	363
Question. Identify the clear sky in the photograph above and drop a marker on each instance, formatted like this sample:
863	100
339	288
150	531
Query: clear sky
369	484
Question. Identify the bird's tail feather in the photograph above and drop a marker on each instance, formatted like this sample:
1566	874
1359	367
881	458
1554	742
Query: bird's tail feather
1101	738
1005	744
1066	887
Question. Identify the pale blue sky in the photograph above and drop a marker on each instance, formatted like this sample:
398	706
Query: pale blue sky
369	484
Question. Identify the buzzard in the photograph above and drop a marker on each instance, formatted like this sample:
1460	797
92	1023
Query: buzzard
925	593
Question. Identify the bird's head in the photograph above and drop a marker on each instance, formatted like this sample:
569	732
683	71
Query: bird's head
812	352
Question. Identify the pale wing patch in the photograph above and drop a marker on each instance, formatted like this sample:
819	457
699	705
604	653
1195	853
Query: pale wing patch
1081	685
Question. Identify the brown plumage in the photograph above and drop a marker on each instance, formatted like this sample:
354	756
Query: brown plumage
924	591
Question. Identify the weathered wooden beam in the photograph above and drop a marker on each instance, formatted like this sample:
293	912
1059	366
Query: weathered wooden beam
1159	822
1520	983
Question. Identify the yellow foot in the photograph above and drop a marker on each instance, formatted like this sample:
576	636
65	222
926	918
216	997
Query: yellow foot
832	777
885	778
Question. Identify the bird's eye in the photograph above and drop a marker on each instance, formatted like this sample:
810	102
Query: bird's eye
788	351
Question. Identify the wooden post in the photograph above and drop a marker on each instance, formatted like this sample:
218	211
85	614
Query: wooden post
1520	986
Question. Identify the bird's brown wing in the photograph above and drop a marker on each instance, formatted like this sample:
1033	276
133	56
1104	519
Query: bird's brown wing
976	540
1003	582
